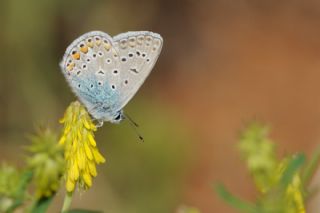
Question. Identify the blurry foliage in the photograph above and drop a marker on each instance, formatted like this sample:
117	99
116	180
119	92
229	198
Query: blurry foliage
13	185
9	181
46	161
154	168
282	184
148	176
187	209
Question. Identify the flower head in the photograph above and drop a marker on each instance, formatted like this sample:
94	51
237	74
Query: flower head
46	162
258	150
81	152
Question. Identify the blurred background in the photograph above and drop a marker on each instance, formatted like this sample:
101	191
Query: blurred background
223	63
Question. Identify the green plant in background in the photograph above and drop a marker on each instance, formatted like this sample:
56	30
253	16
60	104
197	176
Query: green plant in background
12	193
282	184
46	161
73	157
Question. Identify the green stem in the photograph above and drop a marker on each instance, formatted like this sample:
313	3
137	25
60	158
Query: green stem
67	202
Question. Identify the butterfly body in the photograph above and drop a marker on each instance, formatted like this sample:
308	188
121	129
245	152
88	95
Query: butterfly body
105	72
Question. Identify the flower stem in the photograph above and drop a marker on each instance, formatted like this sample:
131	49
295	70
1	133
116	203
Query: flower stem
67	202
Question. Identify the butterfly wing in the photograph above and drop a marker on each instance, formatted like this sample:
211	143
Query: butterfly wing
87	65
138	53
105	73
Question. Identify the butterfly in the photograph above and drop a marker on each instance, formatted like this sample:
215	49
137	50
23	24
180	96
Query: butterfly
106	72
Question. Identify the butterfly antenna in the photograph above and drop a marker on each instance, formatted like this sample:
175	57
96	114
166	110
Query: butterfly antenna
134	126
132	121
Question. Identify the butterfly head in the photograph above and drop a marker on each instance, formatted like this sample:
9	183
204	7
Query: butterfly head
118	117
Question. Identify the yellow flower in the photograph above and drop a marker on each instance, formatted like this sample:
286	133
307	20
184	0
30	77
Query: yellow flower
81	152
295	196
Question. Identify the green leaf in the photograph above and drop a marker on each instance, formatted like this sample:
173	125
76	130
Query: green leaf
295	163
82	211
237	203
42	205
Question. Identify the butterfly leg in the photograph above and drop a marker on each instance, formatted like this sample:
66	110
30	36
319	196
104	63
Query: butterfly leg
99	124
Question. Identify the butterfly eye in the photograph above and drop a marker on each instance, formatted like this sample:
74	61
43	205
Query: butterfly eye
115	72
113	87
118	118
100	53
130	55
138	53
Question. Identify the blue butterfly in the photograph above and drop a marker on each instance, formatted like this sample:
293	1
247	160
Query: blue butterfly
105	72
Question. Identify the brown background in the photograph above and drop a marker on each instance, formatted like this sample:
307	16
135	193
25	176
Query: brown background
223	64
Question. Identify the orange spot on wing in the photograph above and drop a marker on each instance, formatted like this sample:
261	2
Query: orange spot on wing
70	67
76	56
107	46
84	49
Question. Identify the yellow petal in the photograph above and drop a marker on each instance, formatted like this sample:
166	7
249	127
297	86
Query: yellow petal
92	141
86	124
81	159
98	157
88	151
92	168
62	139
70	185
87	179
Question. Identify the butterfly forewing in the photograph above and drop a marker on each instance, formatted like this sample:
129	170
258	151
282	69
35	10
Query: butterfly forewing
138	53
